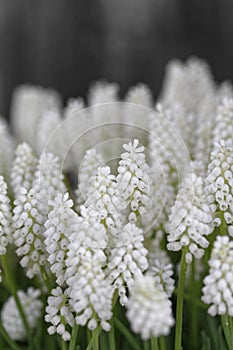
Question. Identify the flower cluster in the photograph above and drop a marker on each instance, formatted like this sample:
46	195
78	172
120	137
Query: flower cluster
32	308
149	310
23	168
218	284
88	168
127	259
5	217
133	181
160	266
190	219
95	225
59	313
219	184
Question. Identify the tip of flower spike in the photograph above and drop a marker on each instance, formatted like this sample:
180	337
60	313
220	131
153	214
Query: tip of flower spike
131	147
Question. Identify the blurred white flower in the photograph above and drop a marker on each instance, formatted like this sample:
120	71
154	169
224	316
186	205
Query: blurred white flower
223	129
28	104
149	310
88	168
23	168
11	319
7	145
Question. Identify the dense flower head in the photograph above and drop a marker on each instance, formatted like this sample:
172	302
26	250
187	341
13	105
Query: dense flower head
6	228
7	145
160	266
126	260
23	168
28	105
204	124
89	291
148	309
219	184
48	180
28	236
190	219
102	92
10	316
57	234
223	128
133	181
51	136
59	313
87	229
169	159
136	110
187	83
102	197
218	284
189	92
88	168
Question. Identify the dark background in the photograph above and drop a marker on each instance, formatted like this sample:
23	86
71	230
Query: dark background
69	43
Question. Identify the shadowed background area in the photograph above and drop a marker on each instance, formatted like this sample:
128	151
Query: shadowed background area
69	44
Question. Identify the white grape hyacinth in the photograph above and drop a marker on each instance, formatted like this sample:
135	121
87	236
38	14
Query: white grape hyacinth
160	266
218	284
28	104
223	124
190	220
28	236
88	168
11	319
57	234
102	196
5	217
149	310
23	168
7	144
133	181
126	260
88	288
219	184
59	313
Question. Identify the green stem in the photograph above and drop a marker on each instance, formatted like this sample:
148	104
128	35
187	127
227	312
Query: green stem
194	309
154	344
8	340
111	337
95	336
128	335
227	329
162	343
91	342
73	337
198	303
47	279
146	345
11	284
63	345
180	300
223	226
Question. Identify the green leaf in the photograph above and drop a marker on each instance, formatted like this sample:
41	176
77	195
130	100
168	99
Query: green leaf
128	335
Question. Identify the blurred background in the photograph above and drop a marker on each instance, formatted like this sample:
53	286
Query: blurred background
69	44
